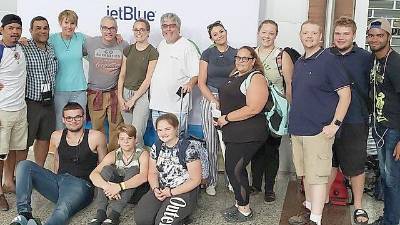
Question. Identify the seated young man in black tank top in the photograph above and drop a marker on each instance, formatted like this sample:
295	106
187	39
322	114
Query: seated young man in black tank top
76	153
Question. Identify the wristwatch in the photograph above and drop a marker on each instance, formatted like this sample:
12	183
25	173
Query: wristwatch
337	123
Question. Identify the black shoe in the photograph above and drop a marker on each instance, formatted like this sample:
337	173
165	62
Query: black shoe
95	221
231	210
254	191
238	217
269	196
110	222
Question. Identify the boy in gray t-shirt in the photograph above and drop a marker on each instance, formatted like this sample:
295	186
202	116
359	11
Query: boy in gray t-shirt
105	59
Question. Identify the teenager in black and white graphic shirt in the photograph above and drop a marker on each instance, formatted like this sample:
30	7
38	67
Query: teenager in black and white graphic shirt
173	183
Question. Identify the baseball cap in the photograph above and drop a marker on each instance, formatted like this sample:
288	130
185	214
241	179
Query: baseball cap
10	18
381	23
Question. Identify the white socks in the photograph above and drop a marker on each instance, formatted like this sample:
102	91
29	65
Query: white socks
316	218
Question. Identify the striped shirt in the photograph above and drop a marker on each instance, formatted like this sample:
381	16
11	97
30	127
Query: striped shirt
41	69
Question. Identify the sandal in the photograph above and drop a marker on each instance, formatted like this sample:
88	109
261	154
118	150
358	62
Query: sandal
360	213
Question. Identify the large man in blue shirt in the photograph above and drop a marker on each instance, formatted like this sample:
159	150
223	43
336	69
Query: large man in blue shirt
350	147
320	98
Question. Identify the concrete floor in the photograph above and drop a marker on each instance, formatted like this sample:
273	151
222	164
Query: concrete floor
208	211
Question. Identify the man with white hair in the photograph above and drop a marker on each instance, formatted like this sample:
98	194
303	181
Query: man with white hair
176	71
105	60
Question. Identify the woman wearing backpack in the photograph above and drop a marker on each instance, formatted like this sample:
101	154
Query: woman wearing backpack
174	177
278	68
216	63
242	101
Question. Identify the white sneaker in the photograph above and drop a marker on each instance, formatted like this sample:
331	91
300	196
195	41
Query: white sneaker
210	190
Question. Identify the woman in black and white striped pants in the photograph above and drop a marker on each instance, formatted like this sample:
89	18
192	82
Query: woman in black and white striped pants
216	63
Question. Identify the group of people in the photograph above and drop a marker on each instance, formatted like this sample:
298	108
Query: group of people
44	95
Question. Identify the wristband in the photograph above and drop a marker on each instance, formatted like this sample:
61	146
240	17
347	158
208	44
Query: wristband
120	186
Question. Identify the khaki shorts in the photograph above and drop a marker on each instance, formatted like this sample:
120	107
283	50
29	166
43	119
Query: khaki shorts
13	130
312	157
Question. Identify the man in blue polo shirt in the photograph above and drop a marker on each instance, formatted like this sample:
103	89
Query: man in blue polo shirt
320	98
350	147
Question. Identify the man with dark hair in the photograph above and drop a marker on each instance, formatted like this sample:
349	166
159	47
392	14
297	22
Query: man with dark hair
350	147
13	124
41	70
386	125
77	152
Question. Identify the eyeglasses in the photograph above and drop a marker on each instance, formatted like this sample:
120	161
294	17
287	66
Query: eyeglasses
170	26
141	30
111	29
243	59
75	118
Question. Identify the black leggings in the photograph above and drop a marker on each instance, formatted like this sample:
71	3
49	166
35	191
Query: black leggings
266	163
171	211
237	157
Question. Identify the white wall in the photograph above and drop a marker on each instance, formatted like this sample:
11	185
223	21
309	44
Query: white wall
289	14
361	17
7	7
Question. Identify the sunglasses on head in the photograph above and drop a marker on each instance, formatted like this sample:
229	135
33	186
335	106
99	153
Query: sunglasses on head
216	23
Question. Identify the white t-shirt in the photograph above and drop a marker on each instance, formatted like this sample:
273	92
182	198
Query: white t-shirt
176	65
13	77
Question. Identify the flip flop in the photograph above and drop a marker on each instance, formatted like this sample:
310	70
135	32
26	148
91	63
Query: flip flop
358	213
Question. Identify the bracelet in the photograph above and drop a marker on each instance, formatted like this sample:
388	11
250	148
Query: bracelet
170	192
123	185
120	186
226	118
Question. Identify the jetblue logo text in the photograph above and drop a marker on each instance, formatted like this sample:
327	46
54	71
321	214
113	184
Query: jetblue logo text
130	13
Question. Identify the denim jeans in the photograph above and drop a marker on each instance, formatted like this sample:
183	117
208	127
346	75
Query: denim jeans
390	172
61	98
69	194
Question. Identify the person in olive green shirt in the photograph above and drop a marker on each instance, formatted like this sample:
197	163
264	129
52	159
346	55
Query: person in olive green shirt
139	61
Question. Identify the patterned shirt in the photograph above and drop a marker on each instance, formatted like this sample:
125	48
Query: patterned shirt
171	172
41	69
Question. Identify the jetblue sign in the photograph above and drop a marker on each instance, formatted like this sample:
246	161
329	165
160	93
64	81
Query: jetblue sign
130	13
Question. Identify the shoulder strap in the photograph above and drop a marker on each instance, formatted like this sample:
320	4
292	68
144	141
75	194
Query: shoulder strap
248	79
158	144
278	60
183	145
1	51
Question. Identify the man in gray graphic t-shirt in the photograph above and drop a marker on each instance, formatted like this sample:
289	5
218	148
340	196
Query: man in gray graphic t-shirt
105	59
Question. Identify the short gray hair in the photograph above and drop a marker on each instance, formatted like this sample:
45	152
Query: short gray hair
109	18
171	16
